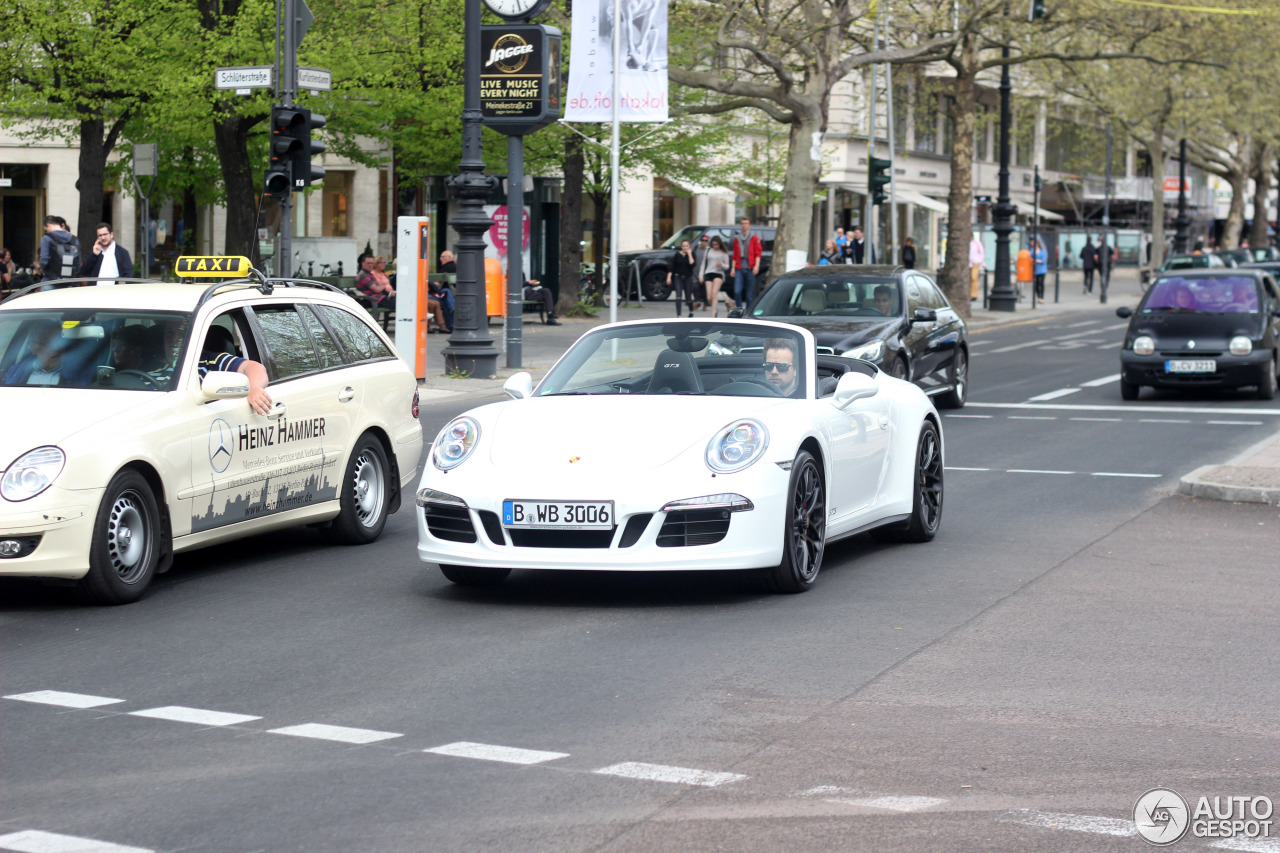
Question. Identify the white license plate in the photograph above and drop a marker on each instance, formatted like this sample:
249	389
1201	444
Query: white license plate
1188	365
558	515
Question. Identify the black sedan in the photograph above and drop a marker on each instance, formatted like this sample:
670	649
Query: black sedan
1203	329
894	317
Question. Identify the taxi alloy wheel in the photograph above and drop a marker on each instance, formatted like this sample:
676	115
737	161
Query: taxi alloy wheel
805	531
364	496
125	547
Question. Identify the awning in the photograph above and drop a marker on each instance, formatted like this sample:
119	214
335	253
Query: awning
700	189
1049	215
913	197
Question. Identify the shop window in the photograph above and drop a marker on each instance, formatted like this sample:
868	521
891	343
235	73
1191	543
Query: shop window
336	204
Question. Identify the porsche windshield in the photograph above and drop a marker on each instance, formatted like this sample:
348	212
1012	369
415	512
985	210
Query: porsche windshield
1216	295
733	359
83	348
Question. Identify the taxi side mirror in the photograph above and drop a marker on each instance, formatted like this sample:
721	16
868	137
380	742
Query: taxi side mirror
854	386
519	386
224	385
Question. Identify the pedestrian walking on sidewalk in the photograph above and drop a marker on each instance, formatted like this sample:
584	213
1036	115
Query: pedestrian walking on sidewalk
681	277
1088	262
1041	258
1106	257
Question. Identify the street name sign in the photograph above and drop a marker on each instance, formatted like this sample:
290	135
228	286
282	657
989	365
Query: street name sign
243	78
315	79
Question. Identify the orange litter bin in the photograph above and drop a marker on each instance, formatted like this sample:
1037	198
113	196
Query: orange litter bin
495	288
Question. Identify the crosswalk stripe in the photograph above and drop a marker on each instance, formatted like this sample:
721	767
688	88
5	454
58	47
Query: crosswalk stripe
66	700
664	773
489	752
198	716
341	734
1073	822
893	804
38	841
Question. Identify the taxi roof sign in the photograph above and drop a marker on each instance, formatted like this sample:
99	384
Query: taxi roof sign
213	266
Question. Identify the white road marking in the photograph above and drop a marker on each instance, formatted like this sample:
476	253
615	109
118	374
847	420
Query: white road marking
1123	474
1074	822
663	773
199	716
341	734
37	841
1251	845
1034	471
1107	346
1082	323
1106	380
1105	420
66	700
1032	417
1162	421
1084	407
488	752
894	804
1038	343
1235	423
970	416
1053	395
979	342
949	468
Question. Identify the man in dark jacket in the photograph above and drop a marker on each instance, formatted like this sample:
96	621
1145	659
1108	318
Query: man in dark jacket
1088	262
109	258
59	250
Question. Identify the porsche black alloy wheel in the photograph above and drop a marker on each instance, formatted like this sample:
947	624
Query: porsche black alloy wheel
125	548
805	528
926	493
473	576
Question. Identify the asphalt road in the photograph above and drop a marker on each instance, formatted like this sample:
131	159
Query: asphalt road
1076	635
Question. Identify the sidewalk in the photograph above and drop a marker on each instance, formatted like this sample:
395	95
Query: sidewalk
1252	477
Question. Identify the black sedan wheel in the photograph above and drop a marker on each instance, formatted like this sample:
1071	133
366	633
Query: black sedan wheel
954	399
805	531
898	369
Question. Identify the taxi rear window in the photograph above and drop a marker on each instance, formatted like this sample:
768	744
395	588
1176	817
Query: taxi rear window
360	342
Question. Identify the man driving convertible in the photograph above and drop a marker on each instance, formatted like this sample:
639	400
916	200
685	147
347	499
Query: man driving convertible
780	364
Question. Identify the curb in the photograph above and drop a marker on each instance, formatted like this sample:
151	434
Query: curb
1231	482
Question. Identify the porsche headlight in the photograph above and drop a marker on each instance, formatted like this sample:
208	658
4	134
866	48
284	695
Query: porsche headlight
737	446
455	443
1240	345
1144	345
873	351
32	473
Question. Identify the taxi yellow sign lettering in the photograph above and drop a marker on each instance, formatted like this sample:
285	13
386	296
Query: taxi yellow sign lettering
212	266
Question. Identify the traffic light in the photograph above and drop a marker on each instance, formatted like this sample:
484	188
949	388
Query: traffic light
304	172
1036	11
879	178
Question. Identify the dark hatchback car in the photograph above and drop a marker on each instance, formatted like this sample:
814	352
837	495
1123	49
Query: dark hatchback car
893	317
1203	329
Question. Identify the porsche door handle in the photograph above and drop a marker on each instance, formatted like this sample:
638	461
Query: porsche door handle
278	411
884	420
346	395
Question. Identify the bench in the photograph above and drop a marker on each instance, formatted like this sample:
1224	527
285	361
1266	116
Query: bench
384	317
536	306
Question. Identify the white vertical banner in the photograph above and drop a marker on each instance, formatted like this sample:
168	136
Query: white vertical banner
643	57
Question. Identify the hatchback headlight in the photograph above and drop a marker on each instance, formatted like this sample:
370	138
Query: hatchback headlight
32	473
1240	345
1144	345
737	446
873	351
455	442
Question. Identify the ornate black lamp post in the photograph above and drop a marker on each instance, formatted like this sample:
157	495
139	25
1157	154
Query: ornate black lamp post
1002	296
1182	224
470	348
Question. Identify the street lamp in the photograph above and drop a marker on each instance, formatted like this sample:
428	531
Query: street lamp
471	350
1002	296
1182	224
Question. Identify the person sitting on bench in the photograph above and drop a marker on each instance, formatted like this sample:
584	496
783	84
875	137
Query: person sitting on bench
535	292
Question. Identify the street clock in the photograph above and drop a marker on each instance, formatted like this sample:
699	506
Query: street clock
517	10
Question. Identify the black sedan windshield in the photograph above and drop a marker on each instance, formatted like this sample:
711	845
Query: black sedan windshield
830	297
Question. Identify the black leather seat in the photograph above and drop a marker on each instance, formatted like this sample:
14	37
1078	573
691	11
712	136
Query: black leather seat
675	373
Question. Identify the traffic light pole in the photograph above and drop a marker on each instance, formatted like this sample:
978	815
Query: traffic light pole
285	83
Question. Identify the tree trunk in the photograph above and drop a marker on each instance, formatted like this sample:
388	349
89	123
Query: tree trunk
571	225
93	168
600	221
955	270
230	135
1235	213
1261	191
795	221
1156	151
188	243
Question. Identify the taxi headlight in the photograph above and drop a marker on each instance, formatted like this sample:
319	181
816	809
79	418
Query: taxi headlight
455	442
32	473
872	351
1144	345
1240	345
737	446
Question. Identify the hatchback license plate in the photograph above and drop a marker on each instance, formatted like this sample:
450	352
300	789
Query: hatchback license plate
558	515
1187	365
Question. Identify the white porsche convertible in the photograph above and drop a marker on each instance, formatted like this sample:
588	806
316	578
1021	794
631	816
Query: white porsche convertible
682	445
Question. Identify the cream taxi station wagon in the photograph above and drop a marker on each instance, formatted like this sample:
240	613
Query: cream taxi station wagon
128	431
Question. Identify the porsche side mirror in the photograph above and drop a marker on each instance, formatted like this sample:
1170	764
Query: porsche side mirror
519	386
1124	312
924	315
224	385
854	386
